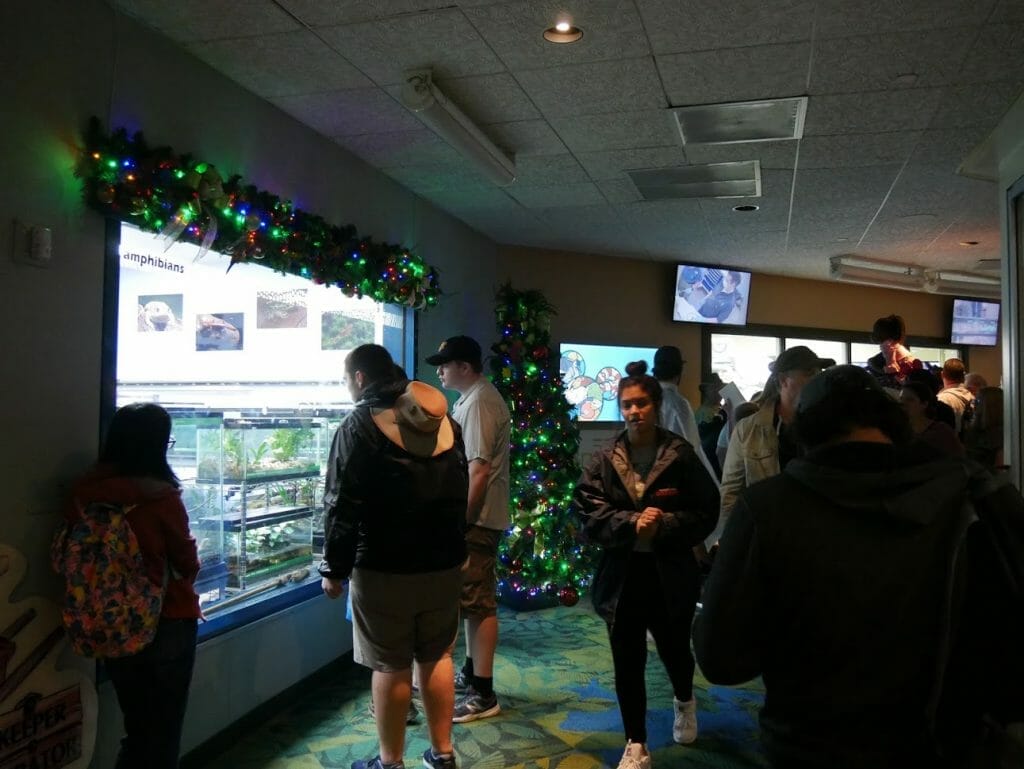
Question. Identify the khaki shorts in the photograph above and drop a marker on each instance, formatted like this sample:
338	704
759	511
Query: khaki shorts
479	574
398	618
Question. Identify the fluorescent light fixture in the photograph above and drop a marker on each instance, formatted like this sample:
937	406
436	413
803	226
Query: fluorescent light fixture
421	96
963	283
876	272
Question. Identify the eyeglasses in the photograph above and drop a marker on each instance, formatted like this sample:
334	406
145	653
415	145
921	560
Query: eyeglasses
170	442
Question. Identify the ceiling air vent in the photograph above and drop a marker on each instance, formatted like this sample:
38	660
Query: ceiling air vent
748	121
716	180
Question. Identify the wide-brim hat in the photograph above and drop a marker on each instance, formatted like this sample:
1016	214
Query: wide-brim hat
418	421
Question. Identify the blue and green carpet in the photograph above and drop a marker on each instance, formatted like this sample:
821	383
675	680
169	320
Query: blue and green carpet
553	676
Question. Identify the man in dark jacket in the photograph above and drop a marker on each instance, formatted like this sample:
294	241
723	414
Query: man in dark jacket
834	583
394	514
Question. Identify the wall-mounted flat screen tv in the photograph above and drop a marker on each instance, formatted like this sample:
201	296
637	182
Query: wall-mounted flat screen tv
975	322
711	295
591	375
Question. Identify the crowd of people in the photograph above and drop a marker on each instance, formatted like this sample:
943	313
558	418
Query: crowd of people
828	511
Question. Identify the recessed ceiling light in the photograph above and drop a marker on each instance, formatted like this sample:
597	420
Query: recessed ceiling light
563	32
969	243
745	208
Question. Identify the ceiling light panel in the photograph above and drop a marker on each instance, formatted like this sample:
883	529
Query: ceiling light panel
752	121
716	180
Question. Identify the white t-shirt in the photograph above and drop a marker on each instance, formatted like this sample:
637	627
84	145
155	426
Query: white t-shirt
486	430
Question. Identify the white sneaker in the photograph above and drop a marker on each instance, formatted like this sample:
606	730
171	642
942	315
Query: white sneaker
635	757
684	727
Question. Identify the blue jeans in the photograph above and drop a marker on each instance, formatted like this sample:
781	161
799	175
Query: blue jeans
152	690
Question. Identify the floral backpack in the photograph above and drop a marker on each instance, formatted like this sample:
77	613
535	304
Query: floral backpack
111	607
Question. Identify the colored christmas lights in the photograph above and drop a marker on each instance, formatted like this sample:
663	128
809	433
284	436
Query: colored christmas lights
542	561
180	199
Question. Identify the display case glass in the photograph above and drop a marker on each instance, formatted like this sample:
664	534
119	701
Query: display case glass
257	488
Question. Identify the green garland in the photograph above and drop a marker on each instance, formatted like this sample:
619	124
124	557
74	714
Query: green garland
180	198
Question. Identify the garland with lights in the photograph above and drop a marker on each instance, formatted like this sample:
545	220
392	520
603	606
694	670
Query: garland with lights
541	562
180	198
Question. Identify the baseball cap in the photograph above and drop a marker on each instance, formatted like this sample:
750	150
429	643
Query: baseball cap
461	348
800	358
845	385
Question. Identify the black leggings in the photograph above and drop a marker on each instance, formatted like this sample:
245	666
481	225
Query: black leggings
642	607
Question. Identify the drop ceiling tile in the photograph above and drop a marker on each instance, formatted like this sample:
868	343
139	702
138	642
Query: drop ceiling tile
995	55
427	179
850	113
490	98
735	74
1008	11
526	137
855	190
674	26
349	112
577	194
948	146
593	88
547	170
773	206
613	164
443	41
400	148
970	105
317	13
611	30
821	227
618	191
256	63
853	150
938	190
620	130
189	21
471	198
899	229
873	62
773	155
653	215
841	18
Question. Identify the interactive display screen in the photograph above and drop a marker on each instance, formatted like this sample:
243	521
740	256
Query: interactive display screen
975	322
591	375
711	295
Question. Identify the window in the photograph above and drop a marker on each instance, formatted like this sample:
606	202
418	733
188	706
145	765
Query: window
744	358
250	365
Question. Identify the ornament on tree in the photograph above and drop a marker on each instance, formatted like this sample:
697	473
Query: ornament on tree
569	596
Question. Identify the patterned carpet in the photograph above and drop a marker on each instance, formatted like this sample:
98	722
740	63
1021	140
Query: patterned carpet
554	681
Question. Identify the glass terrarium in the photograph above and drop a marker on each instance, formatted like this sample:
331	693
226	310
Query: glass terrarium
264	478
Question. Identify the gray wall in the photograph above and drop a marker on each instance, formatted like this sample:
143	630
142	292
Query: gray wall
65	61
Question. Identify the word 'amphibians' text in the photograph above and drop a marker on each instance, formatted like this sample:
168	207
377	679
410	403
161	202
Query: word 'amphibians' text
148	260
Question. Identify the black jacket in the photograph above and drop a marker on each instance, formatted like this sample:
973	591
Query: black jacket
680	486
386	509
832	582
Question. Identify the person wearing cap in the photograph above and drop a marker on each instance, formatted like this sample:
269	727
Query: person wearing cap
833	583
761	445
394	518
675	413
486	425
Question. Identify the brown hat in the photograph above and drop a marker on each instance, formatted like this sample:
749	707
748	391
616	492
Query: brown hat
418	421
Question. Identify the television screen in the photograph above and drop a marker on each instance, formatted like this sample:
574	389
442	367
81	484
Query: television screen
975	322
711	295
591	375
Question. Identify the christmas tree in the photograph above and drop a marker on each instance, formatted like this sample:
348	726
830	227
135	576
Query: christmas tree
542	561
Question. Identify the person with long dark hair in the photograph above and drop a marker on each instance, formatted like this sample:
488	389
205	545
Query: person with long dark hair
647	500
152	686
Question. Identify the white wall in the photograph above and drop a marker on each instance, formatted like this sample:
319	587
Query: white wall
62	63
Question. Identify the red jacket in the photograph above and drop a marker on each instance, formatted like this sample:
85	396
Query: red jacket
160	524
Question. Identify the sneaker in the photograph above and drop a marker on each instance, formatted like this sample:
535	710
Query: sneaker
376	763
472	706
430	761
413	717
684	727
462	682
634	757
